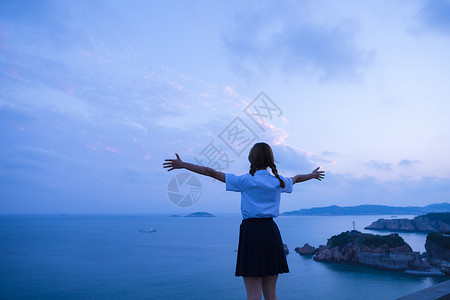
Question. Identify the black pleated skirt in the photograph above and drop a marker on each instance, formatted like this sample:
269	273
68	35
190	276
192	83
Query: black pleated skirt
260	251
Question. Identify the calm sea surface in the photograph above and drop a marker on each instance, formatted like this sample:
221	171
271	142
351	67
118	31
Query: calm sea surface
105	257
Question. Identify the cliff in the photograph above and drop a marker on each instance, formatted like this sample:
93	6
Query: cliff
432	222
438	246
385	252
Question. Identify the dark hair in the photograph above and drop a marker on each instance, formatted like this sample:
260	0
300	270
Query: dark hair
261	157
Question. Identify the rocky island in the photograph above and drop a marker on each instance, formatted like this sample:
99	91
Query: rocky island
200	214
389	252
432	222
384	252
306	250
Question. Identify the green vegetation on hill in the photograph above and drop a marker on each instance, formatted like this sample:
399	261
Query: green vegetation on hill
342	239
444	217
392	240
370	240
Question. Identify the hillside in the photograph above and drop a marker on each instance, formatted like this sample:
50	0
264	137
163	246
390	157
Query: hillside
432	222
368	209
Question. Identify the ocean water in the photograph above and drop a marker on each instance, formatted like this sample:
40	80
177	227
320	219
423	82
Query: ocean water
105	257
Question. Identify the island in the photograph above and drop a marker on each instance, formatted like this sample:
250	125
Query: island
389	252
199	214
368	209
306	250
147	230
432	222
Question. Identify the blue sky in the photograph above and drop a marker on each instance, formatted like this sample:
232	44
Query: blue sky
94	95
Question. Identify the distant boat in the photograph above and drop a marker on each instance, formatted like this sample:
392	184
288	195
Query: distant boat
147	230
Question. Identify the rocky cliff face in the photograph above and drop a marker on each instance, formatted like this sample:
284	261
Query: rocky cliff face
427	223
438	246
385	252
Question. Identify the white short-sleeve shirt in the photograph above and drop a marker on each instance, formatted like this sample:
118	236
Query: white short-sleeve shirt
260	194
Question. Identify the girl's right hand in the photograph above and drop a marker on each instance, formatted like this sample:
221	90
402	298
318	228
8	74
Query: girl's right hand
318	174
173	163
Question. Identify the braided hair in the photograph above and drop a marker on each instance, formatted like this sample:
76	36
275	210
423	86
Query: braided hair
275	172
261	157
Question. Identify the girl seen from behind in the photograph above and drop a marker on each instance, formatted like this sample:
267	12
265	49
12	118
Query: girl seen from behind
260	255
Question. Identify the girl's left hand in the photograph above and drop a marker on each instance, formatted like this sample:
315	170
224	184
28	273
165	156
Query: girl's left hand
173	163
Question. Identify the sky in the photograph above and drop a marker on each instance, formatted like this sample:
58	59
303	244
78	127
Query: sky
94	95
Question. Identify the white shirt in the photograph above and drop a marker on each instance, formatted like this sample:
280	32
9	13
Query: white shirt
260	194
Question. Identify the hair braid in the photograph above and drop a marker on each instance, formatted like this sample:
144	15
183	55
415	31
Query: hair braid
275	172
252	169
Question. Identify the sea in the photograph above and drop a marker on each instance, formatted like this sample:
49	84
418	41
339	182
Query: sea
75	256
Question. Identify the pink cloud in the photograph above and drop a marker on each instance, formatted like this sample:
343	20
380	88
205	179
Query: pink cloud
112	149
90	147
70	90
230	91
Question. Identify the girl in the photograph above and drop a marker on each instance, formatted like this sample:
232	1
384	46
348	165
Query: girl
260	256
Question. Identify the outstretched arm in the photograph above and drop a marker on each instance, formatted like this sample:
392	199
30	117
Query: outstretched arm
179	164
316	174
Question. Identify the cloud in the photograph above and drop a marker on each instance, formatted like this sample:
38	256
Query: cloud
379	165
86	110
291	160
407	162
52	100
329	153
276	135
112	149
230	91
266	40
435	15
